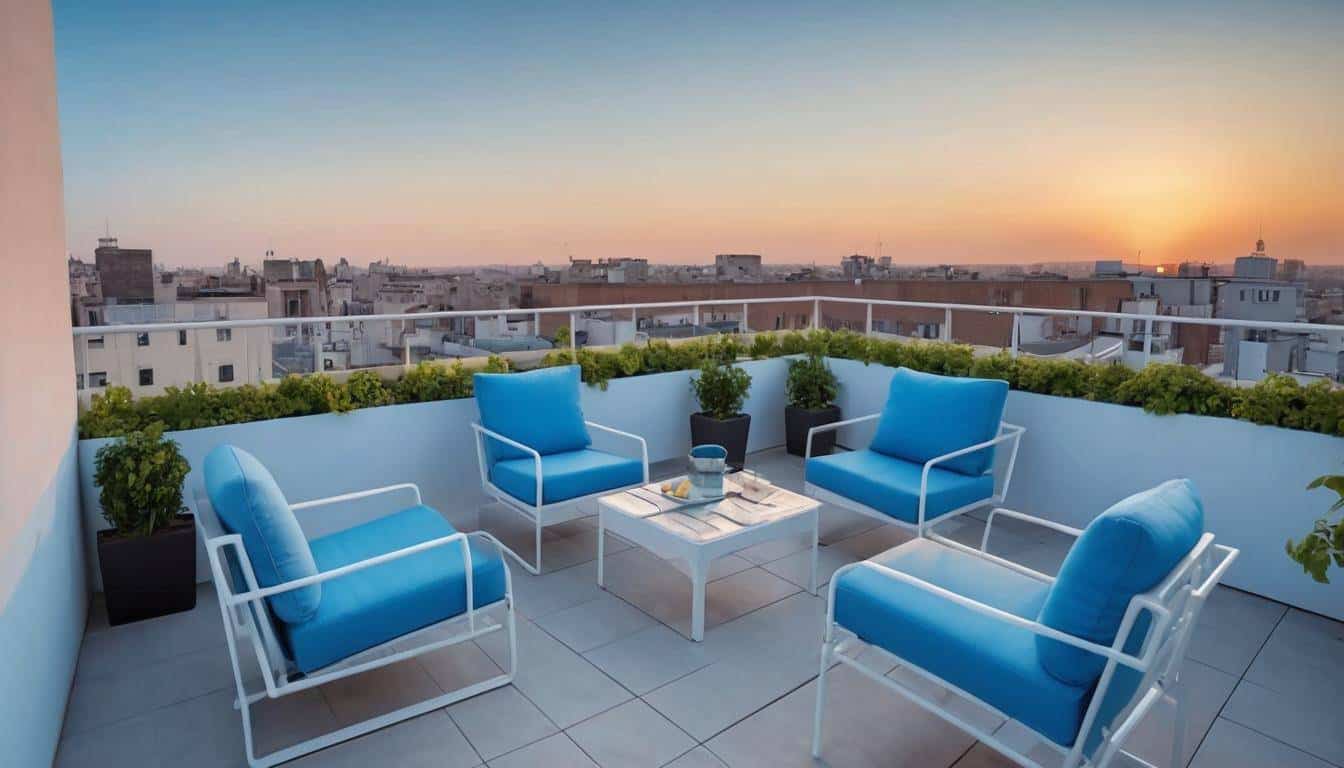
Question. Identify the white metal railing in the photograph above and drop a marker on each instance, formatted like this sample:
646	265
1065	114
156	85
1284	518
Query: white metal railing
1137	320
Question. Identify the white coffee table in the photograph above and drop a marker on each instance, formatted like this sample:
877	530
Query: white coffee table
701	534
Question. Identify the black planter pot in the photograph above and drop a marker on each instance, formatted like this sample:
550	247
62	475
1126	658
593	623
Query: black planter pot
148	576
797	421
730	433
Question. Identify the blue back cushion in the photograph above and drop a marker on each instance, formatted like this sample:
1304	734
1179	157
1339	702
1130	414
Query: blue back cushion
1129	549
250	504
927	415
539	409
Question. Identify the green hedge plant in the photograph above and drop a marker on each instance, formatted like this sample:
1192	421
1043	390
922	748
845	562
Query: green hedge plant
1324	545
139	480
811	383
721	389
1162	388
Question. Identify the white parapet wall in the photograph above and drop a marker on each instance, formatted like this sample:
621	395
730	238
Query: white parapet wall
1079	457
431	444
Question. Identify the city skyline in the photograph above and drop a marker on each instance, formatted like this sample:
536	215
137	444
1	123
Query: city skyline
440	137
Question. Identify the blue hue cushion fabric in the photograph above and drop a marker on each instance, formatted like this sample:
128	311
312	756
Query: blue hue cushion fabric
372	606
566	475
927	415
249	503
539	409
986	657
891	485
1127	550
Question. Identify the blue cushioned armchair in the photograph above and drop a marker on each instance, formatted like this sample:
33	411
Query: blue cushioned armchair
535	452
314	611
931	458
1078	659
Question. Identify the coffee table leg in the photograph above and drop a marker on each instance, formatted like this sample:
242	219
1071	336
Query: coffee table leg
601	551
698	568
816	540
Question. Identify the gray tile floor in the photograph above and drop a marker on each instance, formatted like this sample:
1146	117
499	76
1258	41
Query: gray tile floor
606	678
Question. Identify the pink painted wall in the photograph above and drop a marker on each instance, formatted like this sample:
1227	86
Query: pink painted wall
43	584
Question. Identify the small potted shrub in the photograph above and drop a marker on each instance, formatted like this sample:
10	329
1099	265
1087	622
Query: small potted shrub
148	558
721	390
811	389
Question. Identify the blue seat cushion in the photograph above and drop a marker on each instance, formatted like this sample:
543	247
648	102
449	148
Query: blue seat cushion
1127	550
372	606
248	502
891	485
927	416
539	409
566	475
985	657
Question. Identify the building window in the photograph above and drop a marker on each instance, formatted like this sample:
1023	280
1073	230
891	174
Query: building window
1276	299
181	338
95	342
1243	294
146	377
223	334
97	378
225	374
93	317
142	339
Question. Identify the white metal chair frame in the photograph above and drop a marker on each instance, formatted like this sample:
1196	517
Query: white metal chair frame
1007	433
540	514
1174	605
248	622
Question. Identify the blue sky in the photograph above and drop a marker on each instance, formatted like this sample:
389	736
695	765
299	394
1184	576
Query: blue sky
445	134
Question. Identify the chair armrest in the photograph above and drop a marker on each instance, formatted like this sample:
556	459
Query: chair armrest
807	454
256	593
1112	652
1006	432
311	503
482	433
989	522
643	446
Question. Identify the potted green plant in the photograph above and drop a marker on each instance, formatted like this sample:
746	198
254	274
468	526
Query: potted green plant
721	390
148	558
811	388
1325	544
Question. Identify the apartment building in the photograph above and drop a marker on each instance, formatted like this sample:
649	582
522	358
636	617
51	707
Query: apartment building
149	361
972	327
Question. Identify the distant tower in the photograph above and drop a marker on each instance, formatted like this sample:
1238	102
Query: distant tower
1260	247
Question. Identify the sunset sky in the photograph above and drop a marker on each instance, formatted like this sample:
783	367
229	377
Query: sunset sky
451	134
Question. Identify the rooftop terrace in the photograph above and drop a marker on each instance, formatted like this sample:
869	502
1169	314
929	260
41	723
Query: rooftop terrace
608	678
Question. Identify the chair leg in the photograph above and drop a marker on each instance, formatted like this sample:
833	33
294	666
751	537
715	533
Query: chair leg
1178	731
826	650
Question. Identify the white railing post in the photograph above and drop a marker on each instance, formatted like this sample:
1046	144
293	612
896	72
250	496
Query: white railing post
1017	322
816	314
695	317
746	327
1147	341
574	335
405	346
868	320
536	324
84	361
947	324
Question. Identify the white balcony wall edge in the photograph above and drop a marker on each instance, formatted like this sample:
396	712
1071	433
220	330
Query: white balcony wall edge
431	444
1079	457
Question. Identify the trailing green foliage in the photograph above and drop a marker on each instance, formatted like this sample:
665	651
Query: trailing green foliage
721	389
139	481
1161	388
1325	544
811	383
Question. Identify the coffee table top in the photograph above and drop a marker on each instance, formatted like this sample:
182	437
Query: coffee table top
708	522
